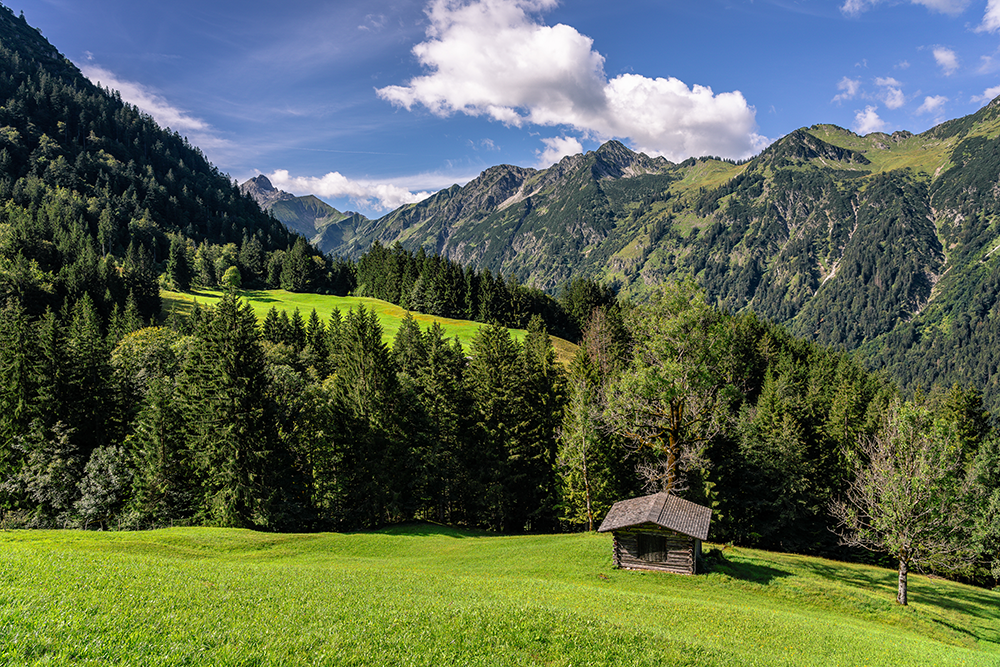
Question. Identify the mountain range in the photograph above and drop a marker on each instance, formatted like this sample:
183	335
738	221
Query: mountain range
883	243
309	216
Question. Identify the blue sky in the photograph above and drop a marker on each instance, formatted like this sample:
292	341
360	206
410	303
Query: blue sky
373	104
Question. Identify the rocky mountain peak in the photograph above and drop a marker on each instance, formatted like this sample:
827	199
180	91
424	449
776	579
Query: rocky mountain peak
263	192
615	160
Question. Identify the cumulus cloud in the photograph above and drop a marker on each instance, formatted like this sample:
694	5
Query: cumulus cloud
556	149
933	105
848	88
378	195
892	93
868	121
987	95
946	59
952	7
991	19
494	58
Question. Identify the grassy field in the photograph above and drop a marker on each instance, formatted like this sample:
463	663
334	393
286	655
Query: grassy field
424	595
389	314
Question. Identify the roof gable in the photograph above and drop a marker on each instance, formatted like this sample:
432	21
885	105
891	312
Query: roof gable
664	510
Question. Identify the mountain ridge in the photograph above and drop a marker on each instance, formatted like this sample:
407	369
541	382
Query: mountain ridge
307	215
878	243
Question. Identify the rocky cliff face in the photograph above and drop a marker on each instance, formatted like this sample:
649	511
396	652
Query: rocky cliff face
262	192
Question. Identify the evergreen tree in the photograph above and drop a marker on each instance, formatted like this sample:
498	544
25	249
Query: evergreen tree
494	381
230	422
90	400
164	482
375	460
179	271
532	451
16	386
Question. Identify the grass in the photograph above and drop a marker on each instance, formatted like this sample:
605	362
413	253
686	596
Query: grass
921	153
389	315
708	174
426	595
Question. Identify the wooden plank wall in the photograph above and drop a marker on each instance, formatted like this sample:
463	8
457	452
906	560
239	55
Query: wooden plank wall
680	555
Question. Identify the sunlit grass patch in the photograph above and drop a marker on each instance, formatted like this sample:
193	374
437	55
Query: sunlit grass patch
427	595
390	316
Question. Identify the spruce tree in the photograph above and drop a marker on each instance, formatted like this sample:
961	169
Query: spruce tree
230	426
16	387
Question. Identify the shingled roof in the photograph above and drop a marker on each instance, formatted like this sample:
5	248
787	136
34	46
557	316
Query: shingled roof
664	510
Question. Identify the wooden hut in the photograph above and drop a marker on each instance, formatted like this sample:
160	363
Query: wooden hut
657	532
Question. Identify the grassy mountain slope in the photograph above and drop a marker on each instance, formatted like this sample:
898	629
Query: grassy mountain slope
389	315
885	243
421	594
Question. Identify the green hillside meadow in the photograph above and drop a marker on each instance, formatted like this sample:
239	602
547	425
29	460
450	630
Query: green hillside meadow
389	315
427	595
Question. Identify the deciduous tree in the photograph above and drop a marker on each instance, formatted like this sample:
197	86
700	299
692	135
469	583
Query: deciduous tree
910	496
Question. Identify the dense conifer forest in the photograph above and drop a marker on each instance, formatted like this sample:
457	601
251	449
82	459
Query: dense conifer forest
110	418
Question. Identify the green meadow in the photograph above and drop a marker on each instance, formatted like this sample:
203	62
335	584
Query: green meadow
427	595
389	315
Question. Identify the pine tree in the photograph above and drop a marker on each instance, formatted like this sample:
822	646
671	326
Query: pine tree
230	426
179	271
16	387
90	398
494	382
165	487
375	462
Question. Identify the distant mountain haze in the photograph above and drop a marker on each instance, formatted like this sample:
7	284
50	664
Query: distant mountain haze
323	225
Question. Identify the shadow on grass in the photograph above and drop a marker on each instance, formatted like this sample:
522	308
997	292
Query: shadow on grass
966	600
883	581
428	528
257	295
714	560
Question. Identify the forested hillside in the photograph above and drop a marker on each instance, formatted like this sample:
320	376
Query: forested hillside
98	200
107	420
883	243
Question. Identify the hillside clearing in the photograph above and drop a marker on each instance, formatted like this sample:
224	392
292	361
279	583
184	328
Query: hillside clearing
390	316
426	595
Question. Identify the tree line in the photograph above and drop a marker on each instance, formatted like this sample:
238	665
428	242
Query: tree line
308	423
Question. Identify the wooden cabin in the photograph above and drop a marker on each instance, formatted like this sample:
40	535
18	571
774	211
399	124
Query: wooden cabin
657	532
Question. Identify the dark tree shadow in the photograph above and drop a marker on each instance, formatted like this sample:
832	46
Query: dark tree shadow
257	295
966	600
429	528
714	560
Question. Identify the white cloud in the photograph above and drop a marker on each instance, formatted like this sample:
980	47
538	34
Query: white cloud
946	59
991	19
556	149
933	105
147	100
379	195
987	95
868	121
892	93
848	89
493	58
952	7
198	132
